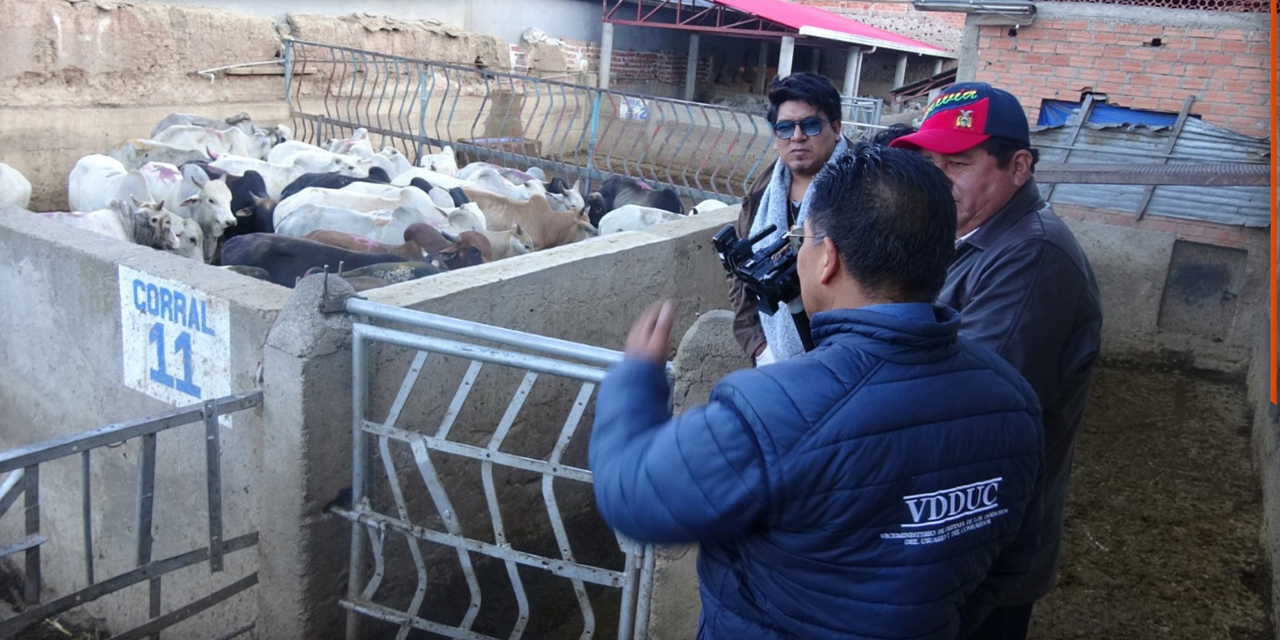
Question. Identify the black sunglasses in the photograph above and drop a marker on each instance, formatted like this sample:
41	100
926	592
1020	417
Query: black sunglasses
811	126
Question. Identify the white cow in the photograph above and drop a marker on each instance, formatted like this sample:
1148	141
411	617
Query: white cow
15	189
278	176
137	152
351	200
217	142
190	240
98	179
140	223
630	217
386	226
436	178
444	162
706	206
188	192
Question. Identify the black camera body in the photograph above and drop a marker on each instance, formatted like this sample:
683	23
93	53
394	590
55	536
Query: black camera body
768	274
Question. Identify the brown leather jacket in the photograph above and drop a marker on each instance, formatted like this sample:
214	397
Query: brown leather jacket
746	321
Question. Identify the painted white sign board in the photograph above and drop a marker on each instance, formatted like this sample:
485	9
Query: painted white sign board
176	342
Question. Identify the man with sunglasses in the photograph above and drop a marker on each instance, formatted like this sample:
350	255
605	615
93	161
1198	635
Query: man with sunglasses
804	112
1023	287
884	484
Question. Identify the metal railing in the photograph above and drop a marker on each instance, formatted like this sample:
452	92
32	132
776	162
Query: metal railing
23	480
574	131
430	448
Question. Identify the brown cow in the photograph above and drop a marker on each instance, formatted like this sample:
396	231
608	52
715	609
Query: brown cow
466	249
546	226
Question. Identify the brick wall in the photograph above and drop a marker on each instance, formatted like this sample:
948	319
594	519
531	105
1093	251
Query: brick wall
1226	69
1188	230
664	66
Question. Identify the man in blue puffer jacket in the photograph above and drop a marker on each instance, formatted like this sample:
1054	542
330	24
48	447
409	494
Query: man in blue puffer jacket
884	485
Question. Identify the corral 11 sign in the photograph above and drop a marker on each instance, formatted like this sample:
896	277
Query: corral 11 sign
175	340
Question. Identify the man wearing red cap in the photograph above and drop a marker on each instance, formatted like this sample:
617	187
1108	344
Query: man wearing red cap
1023	288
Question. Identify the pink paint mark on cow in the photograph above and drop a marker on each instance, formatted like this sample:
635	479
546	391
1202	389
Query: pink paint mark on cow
644	186
162	173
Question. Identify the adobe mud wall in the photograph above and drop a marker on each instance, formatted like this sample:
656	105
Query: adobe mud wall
80	77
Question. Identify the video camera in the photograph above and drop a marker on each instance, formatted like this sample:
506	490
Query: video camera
769	275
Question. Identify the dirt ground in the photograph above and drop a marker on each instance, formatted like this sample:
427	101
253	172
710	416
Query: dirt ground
1163	516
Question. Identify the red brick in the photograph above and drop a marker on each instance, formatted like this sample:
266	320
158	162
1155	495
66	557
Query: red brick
1167	81
1034	58
1207	45
1202	33
1043	47
1166	55
1251	74
1172	105
1079	36
1252	62
1132	65
1115	52
1140	52
1147	103
1076	25
1231	34
1232	46
1106	38
1106	64
1191	57
1162	92
1259	48
1251	111
1236	86
1151	30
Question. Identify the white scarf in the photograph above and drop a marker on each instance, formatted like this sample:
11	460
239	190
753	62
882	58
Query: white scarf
780	330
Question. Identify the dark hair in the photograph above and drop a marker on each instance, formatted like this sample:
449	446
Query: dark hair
892	132
810	87
1002	149
892	218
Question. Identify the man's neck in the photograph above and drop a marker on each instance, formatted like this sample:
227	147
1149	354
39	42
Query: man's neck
799	185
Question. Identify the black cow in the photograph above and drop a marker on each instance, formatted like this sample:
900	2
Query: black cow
332	181
619	191
288	259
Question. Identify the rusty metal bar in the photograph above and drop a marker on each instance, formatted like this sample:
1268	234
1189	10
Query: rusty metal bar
1216	174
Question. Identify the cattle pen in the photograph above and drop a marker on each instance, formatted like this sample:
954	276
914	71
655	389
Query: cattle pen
390	478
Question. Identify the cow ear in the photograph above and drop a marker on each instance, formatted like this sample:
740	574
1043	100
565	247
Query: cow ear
136	202
577	185
190	201
244	213
515	228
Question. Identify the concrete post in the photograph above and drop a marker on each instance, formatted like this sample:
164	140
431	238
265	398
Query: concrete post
761	68
937	66
785	56
691	70
815	62
306	464
606	55
852	73
707	353
968	69
900	71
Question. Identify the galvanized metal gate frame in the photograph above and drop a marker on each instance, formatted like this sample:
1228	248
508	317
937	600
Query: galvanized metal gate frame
23	468
369	527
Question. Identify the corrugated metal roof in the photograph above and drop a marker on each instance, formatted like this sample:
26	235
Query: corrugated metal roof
1199	142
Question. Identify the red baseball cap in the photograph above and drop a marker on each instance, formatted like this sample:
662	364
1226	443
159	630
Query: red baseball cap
964	116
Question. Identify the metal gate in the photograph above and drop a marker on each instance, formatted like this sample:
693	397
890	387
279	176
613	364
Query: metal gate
433	441
23	467
577	131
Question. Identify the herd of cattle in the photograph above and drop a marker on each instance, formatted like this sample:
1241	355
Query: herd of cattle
253	200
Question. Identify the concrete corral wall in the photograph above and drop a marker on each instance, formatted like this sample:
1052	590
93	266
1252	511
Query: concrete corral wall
285	463
64	357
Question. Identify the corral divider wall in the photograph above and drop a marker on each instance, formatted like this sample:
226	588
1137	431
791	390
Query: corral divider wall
290	460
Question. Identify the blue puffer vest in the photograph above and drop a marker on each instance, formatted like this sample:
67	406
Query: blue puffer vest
875	488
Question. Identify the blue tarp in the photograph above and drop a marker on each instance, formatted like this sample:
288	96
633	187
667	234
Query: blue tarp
1054	113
